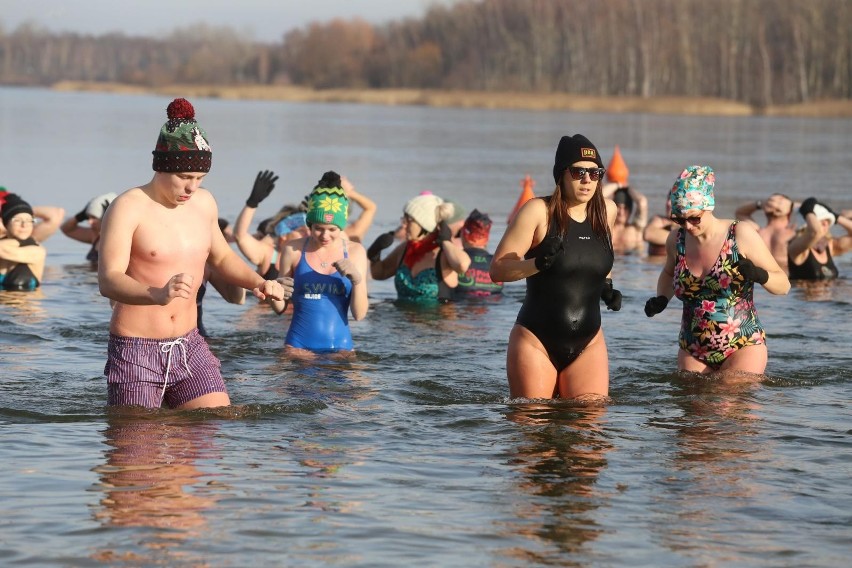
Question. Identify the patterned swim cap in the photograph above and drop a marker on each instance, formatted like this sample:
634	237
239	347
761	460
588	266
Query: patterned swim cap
693	189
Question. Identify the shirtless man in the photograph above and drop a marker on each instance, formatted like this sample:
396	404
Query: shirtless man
631	218
779	228
155	241
657	231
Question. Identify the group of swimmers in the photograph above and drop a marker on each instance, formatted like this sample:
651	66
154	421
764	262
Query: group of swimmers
158	244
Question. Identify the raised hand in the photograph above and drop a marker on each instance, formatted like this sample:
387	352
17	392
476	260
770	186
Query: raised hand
263	186
655	305
548	250
611	296
807	206
751	272
347	268
383	241
444	232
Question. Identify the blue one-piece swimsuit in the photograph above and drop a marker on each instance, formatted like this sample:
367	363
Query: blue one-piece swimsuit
320	320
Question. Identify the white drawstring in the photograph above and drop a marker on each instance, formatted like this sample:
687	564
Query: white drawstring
166	347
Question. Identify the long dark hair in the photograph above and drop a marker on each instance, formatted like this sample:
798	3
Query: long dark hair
558	218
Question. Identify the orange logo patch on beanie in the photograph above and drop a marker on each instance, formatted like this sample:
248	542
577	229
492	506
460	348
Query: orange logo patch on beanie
588	153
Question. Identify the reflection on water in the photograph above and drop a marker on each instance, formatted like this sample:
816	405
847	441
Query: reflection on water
559	458
711	468
151	479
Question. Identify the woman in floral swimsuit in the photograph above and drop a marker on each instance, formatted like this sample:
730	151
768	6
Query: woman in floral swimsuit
711	266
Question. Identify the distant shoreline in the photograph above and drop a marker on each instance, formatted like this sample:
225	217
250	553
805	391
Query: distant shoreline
478	99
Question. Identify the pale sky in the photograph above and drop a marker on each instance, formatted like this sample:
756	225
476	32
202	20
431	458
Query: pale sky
265	20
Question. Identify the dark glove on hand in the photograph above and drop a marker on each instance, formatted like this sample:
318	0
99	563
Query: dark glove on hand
263	185
548	249
288	284
807	206
752	272
384	240
611	296
655	305
347	268
444	232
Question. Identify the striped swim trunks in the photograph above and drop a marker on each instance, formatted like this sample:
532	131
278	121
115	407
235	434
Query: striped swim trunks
152	372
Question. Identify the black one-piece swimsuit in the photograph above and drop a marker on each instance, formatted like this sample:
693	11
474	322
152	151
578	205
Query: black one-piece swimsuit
562	304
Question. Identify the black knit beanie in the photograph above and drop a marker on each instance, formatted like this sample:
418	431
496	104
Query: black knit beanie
573	149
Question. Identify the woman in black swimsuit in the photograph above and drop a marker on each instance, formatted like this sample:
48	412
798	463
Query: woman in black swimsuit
810	253
562	245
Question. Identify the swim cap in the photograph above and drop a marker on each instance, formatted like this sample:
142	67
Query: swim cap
290	223
824	214
182	144
327	203
572	149
424	210
622	197
98	205
12	206
693	189
477	228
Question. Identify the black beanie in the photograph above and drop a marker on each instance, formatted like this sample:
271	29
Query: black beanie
622	197
572	149
12	206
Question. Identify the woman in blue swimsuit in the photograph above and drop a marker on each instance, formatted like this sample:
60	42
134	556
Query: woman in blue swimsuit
428	249
324	276
562	246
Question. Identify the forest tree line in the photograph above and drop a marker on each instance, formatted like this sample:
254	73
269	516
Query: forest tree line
759	52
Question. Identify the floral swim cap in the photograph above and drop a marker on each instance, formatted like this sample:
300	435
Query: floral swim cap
693	189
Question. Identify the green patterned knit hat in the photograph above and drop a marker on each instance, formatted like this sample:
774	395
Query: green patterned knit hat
327	203
182	145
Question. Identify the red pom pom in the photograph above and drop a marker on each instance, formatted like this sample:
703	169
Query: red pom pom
180	109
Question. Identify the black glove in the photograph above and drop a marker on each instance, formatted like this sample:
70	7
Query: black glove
655	305
82	215
807	206
611	296
548	249
263	185
444	232
751	272
384	240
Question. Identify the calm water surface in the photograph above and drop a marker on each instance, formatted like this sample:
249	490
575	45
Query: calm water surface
413	453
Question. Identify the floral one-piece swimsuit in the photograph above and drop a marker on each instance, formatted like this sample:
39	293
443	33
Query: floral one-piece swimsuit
719	316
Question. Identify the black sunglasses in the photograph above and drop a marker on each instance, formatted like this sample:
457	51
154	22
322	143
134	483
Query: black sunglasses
579	173
694	221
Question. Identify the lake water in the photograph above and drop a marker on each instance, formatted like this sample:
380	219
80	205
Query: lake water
413	454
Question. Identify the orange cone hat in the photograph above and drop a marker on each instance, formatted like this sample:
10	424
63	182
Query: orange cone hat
527	185
617	171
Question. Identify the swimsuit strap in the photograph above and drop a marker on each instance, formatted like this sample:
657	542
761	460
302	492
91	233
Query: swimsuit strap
167	347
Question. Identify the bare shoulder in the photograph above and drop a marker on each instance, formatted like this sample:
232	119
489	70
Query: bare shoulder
745	231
